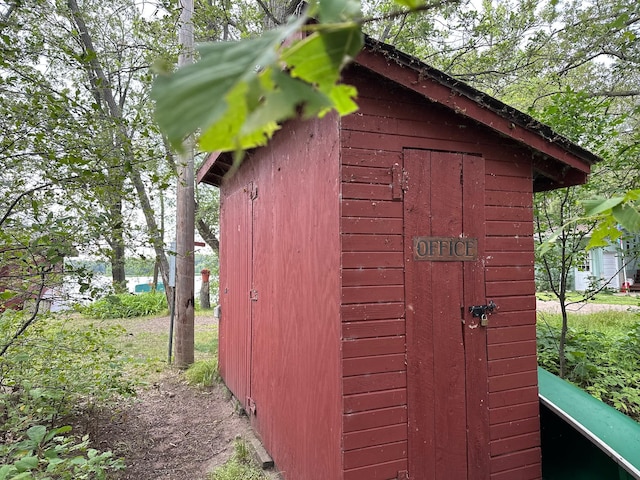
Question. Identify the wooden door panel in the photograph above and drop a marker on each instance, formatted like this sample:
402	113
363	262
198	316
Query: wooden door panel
436	295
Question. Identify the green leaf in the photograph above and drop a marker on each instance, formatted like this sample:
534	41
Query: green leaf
37	433
195	97
410	4
318	58
600	205
627	216
7	471
26	463
337	11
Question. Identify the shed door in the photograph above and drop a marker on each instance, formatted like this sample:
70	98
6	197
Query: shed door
446	358
236	275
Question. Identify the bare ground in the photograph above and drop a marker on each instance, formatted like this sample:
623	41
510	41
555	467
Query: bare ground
171	430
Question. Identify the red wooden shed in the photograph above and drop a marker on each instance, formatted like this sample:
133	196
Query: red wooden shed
352	251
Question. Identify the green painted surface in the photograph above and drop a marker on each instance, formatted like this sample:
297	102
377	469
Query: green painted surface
572	451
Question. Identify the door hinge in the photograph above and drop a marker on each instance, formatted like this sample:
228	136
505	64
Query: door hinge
399	181
253	295
251	406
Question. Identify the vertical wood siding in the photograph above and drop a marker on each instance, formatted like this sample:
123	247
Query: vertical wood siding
295	321
374	378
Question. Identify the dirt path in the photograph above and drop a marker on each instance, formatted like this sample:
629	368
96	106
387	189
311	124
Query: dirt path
585	308
171	430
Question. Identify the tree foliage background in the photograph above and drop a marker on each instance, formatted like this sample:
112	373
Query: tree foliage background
85	167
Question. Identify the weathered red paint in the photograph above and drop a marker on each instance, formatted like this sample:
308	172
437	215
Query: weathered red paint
362	362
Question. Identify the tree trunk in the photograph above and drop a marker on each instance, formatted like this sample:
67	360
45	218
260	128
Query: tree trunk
185	298
102	90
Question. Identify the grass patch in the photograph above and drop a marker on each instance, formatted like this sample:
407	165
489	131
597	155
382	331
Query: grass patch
606	298
241	466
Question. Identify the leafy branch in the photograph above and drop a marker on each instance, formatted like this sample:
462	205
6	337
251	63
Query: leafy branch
239	92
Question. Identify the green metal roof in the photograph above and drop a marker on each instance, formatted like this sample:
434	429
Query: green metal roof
614	433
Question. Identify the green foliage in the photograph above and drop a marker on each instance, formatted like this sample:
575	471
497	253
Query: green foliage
239	91
604	360
125	305
240	467
46	454
203	373
52	372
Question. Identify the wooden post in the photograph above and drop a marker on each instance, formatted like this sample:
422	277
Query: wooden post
184	333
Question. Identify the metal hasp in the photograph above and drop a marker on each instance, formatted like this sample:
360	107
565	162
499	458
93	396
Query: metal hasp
480	311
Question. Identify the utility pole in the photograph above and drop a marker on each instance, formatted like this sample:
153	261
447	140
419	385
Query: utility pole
184	308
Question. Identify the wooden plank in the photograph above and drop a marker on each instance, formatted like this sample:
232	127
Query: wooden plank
373	364
514	412
497	274
511	334
511	214
513	397
374	418
366	347
513	460
367	175
379	471
372	276
377	454
377	328
507	259
375	400
509	314
475	339
518	167
370	158
528	472
510	199
495	227
371	208
420	354
375	436
513	365
514	444
515	428
371	225
372	260
385	141
504	289
511	350
370	294
365	191
371	243
374	382
513	380
372	311
514	244
509	184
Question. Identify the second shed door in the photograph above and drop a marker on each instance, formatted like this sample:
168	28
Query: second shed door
446	346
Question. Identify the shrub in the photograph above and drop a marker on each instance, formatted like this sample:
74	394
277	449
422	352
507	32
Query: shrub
125	305
50	373
605	365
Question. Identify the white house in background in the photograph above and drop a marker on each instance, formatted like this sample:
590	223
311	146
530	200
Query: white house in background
611	266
